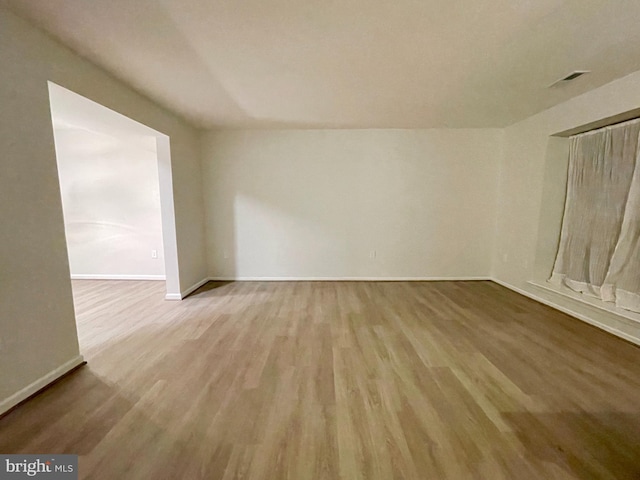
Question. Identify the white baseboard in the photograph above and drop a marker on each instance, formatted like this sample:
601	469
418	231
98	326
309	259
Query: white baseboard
568	311
346	279
42	382
589	302
90	276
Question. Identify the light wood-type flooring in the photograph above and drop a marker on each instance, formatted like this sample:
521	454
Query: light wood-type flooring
337	380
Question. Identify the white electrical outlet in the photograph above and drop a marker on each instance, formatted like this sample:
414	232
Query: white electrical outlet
225	254
154	253
372	254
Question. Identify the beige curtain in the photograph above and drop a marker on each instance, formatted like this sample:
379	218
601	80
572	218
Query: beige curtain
599	251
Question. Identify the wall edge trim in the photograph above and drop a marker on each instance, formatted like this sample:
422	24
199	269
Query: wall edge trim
42	382
568	311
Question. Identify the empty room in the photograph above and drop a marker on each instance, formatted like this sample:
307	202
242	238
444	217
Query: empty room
395	240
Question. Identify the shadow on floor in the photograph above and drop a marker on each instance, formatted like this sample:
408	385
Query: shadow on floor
208	287
596	445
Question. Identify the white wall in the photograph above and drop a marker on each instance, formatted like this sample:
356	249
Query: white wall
316	203
38	337
532	186
111	203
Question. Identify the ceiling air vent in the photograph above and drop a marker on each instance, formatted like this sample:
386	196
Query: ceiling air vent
568	78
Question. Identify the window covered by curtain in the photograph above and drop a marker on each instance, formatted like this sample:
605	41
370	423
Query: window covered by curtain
599	251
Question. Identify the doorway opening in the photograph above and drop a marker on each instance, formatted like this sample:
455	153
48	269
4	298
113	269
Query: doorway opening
117	198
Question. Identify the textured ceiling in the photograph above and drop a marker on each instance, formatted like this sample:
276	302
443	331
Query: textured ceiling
349	63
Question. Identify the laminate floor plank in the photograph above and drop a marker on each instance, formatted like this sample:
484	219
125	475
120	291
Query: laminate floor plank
336	380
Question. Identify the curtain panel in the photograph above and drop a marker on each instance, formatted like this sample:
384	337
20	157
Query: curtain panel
599	250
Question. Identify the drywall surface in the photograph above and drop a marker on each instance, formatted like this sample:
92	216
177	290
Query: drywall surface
37	326
532	186
350	203
111	203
